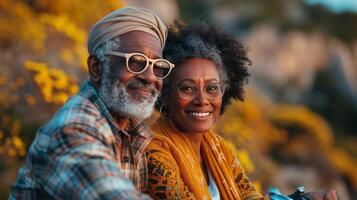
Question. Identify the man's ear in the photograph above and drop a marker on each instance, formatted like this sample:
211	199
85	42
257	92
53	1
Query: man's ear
94	69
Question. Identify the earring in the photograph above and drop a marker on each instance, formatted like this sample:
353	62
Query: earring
163	109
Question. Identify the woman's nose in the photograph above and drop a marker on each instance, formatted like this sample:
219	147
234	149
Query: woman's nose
201	97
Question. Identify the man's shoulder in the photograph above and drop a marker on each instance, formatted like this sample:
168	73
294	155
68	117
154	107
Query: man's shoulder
77	110
77	118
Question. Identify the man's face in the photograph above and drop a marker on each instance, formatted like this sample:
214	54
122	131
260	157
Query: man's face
127	94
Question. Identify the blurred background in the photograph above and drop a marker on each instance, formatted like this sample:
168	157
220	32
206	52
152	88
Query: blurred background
297	125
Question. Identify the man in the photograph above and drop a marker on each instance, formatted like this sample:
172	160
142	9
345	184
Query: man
93	147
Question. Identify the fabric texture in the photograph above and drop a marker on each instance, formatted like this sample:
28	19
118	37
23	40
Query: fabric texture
175	171
82	154
123	21
212	187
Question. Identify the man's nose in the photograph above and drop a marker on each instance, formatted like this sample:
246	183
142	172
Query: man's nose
148	74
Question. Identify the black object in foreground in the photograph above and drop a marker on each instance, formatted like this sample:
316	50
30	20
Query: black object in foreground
299	194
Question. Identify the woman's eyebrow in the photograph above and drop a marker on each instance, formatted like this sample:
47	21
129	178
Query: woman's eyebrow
212	80
193	81
187	80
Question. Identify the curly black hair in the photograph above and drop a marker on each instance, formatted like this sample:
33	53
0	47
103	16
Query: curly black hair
199	40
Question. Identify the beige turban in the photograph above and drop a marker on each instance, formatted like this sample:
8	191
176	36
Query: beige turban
123	21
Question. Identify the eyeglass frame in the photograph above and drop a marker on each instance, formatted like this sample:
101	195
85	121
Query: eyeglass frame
148	60
223	85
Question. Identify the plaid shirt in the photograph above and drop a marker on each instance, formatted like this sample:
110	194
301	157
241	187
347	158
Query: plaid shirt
81	153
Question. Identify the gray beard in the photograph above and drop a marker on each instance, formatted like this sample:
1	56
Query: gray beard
119	101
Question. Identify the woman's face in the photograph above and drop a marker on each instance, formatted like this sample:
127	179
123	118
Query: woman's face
190	111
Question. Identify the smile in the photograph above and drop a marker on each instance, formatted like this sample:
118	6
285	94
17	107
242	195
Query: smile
143	91
199	114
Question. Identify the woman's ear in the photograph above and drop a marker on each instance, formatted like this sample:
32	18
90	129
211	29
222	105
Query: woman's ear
94	69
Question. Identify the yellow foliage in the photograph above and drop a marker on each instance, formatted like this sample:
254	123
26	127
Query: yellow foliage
2	80
31	100
14	98
233	129
17	142
83	12
73	89
15	14
6	120
11	152
247	124
55	85
243	157
10	142
314	125
257	186
63	24
16	126
345	163
20	81
4	100
54	32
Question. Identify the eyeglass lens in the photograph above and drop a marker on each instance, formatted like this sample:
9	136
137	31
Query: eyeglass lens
137	63
211	90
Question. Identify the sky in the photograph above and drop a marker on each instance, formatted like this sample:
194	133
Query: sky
337	5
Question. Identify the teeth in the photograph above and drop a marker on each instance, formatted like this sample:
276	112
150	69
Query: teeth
199	114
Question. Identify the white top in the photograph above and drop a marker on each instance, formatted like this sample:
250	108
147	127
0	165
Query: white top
212	187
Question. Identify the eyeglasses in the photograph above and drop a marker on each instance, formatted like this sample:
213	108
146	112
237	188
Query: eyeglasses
212	91
137	63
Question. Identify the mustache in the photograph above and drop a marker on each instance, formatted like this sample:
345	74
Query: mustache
138	84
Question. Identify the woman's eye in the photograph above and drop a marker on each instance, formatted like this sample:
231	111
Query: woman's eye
211	88
187	89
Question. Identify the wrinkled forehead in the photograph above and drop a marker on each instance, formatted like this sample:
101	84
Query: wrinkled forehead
140	42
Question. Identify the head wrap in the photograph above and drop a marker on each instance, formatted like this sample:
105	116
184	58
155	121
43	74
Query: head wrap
123	21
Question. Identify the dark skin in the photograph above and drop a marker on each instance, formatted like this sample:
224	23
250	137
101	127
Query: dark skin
197	71
201	71
135	41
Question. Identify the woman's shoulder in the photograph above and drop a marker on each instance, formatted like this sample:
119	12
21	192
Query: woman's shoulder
159	141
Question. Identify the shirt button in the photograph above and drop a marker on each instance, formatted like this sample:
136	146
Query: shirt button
126	159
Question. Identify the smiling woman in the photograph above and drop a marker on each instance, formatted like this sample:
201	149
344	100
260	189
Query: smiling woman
186	160
191	109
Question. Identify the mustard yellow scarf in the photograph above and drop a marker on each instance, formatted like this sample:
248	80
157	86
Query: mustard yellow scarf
213	154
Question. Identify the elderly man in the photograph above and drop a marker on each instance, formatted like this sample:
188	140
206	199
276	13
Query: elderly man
93	147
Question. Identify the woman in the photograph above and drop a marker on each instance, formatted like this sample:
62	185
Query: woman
185	159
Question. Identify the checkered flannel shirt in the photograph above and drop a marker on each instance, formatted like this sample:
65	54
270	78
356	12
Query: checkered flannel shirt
81	153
